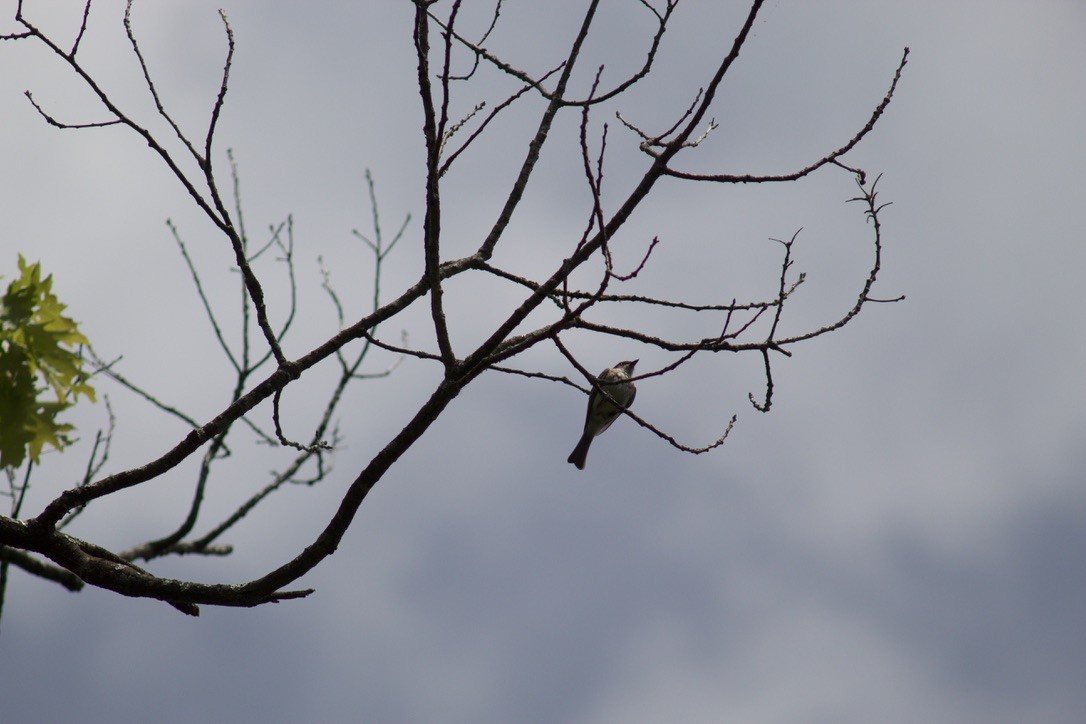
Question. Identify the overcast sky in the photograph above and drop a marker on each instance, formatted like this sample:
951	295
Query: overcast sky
900	539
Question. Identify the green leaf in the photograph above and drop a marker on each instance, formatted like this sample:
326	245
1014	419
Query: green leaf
41	368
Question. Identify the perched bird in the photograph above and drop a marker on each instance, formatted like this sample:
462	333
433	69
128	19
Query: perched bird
602	411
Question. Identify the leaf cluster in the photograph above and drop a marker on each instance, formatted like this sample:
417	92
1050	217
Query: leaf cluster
41	367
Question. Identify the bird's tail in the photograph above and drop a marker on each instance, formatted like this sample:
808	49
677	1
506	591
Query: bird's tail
580	453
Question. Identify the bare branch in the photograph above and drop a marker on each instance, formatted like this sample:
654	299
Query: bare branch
318	445
82	29
432	130
516	192
557	94
486	121
221	97
201	160
830	158
208	311
869	199
60	124
630	298
34	567
108	369
95	462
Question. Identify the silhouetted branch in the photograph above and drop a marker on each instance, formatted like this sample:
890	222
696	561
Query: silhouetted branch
549	307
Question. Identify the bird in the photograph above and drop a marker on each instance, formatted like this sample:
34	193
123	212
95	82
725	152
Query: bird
603	411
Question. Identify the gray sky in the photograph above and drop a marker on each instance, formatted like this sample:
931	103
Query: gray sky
900	539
